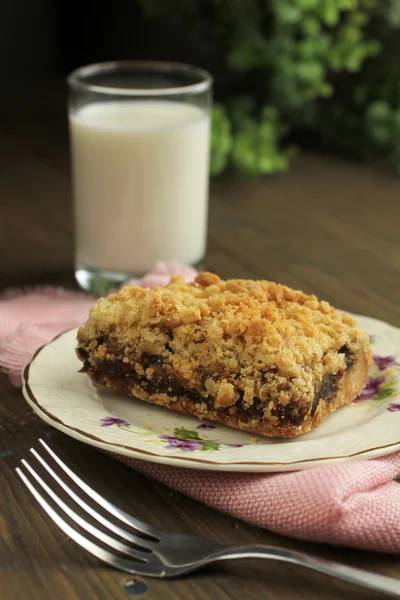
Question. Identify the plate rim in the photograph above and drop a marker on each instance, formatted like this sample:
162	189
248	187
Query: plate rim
183	461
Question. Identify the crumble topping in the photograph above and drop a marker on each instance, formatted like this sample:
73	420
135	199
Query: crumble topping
233	341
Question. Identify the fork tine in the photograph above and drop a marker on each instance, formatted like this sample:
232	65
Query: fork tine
116	512
100	535
117	562
126	535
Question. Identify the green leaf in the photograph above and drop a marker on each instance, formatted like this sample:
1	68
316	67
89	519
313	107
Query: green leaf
311	26
310	71
207	446
221	140
330	13
186	434
384	394
286	13
307	5
379	122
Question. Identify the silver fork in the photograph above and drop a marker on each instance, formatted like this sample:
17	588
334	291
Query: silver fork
145	550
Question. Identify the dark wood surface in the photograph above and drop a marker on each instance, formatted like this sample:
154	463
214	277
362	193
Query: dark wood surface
329	226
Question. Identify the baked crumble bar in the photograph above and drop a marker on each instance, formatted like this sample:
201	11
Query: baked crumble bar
253	355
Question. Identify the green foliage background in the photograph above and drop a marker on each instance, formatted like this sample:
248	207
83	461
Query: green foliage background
292	70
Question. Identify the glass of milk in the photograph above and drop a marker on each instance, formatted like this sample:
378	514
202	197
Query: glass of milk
140	167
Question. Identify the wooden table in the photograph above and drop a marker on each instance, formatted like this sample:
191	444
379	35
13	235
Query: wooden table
328	226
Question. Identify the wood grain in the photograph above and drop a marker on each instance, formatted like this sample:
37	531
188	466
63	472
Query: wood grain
329	226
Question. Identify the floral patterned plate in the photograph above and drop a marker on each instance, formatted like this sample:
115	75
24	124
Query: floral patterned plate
69	401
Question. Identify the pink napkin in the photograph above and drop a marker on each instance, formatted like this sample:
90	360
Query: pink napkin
354	504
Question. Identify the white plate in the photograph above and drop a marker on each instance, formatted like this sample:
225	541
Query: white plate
69	401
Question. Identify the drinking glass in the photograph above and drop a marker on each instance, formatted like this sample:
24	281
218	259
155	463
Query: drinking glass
139	135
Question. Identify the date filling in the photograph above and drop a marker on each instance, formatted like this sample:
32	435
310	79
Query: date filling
165	381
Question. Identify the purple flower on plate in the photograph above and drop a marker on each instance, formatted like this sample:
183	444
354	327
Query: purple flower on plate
372	388
394	407
205	426
372	338
383	362
108	421
179	444
234	445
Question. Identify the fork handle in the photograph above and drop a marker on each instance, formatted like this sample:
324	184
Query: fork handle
371	581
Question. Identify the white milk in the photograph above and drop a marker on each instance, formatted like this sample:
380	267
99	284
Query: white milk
140	177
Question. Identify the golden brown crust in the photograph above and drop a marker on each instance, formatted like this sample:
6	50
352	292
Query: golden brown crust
252	354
